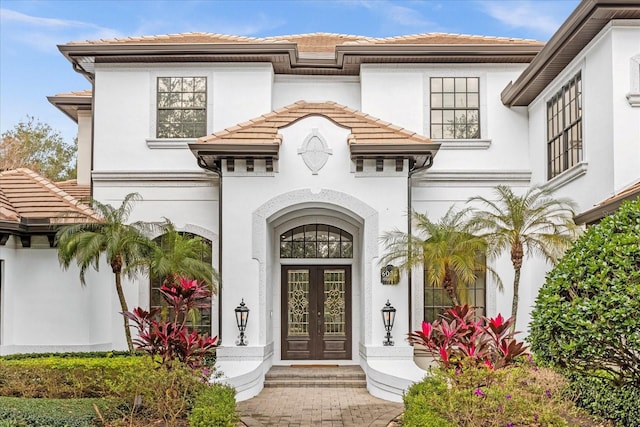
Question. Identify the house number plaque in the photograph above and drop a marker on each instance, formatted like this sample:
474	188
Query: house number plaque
389	275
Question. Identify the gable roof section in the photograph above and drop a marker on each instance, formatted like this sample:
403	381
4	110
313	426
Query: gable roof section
315	53
608	206
260	137
27	199
576	32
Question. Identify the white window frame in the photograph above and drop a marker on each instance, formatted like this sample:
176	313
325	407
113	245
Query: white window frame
193	71
481	143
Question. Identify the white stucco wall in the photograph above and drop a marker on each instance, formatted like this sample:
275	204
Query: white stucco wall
125	111
611	127
288	89
45	308
84	147
625	41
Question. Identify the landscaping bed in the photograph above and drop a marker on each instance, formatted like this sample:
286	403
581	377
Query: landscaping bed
109	391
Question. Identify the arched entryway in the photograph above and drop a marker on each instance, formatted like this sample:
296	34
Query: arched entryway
338	263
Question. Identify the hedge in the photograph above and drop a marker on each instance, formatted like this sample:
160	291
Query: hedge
20	412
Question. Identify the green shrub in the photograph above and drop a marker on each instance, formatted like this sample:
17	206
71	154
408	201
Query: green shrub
586	314
599	396
420	409
138	385
215	405
54	377
19	412
477	396
88	354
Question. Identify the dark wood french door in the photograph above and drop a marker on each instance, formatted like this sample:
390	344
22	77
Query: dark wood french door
316	312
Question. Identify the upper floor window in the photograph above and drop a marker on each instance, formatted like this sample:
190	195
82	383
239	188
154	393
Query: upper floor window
182	107
564	128
316	241
455	108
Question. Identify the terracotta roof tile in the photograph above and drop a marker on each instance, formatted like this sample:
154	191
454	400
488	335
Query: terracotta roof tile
312	42
194	37
30	196
317	42
7	211
78	93
71	187
448	38
365	129
629	191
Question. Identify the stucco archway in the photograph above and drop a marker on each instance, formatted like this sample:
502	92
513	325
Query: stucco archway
278	210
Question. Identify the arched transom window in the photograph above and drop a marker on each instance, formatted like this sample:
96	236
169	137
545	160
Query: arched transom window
316	241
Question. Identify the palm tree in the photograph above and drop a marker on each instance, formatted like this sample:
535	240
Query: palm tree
176	254
124	246
534	222
448	252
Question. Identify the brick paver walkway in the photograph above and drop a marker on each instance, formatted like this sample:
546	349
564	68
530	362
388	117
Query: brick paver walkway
317	406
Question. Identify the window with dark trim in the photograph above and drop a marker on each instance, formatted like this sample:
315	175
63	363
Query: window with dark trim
181	107
316	241
564	128
200	319
455	108
436	299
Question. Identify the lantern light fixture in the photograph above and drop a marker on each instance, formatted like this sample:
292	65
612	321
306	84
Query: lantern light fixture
388	317
242	314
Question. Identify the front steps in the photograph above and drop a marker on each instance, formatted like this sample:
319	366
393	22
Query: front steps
316	376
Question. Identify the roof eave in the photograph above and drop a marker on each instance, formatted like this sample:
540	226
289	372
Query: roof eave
393	150
79	102
223	150
485	52
595	214
517	93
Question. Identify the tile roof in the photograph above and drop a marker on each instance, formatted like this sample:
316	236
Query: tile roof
7	211
449	38
365	129
608	206
194	37
71	187
311	42
624	194
25	195
76	93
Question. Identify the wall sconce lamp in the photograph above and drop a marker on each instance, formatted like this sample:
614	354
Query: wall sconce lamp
388	317
242	314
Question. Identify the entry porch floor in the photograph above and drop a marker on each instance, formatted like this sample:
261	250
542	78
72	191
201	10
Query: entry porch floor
317	396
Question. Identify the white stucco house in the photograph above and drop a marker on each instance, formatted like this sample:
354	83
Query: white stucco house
293	154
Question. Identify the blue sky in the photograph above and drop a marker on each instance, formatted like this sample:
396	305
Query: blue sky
31	67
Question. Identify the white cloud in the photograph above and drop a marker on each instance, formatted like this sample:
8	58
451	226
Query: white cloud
44	33
541	17
399	15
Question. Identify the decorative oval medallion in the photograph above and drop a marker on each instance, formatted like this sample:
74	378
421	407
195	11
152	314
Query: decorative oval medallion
314	151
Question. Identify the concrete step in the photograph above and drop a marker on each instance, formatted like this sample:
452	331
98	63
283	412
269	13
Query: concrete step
302	376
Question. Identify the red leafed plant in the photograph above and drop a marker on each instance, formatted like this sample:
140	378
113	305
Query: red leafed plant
170	341
457	338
